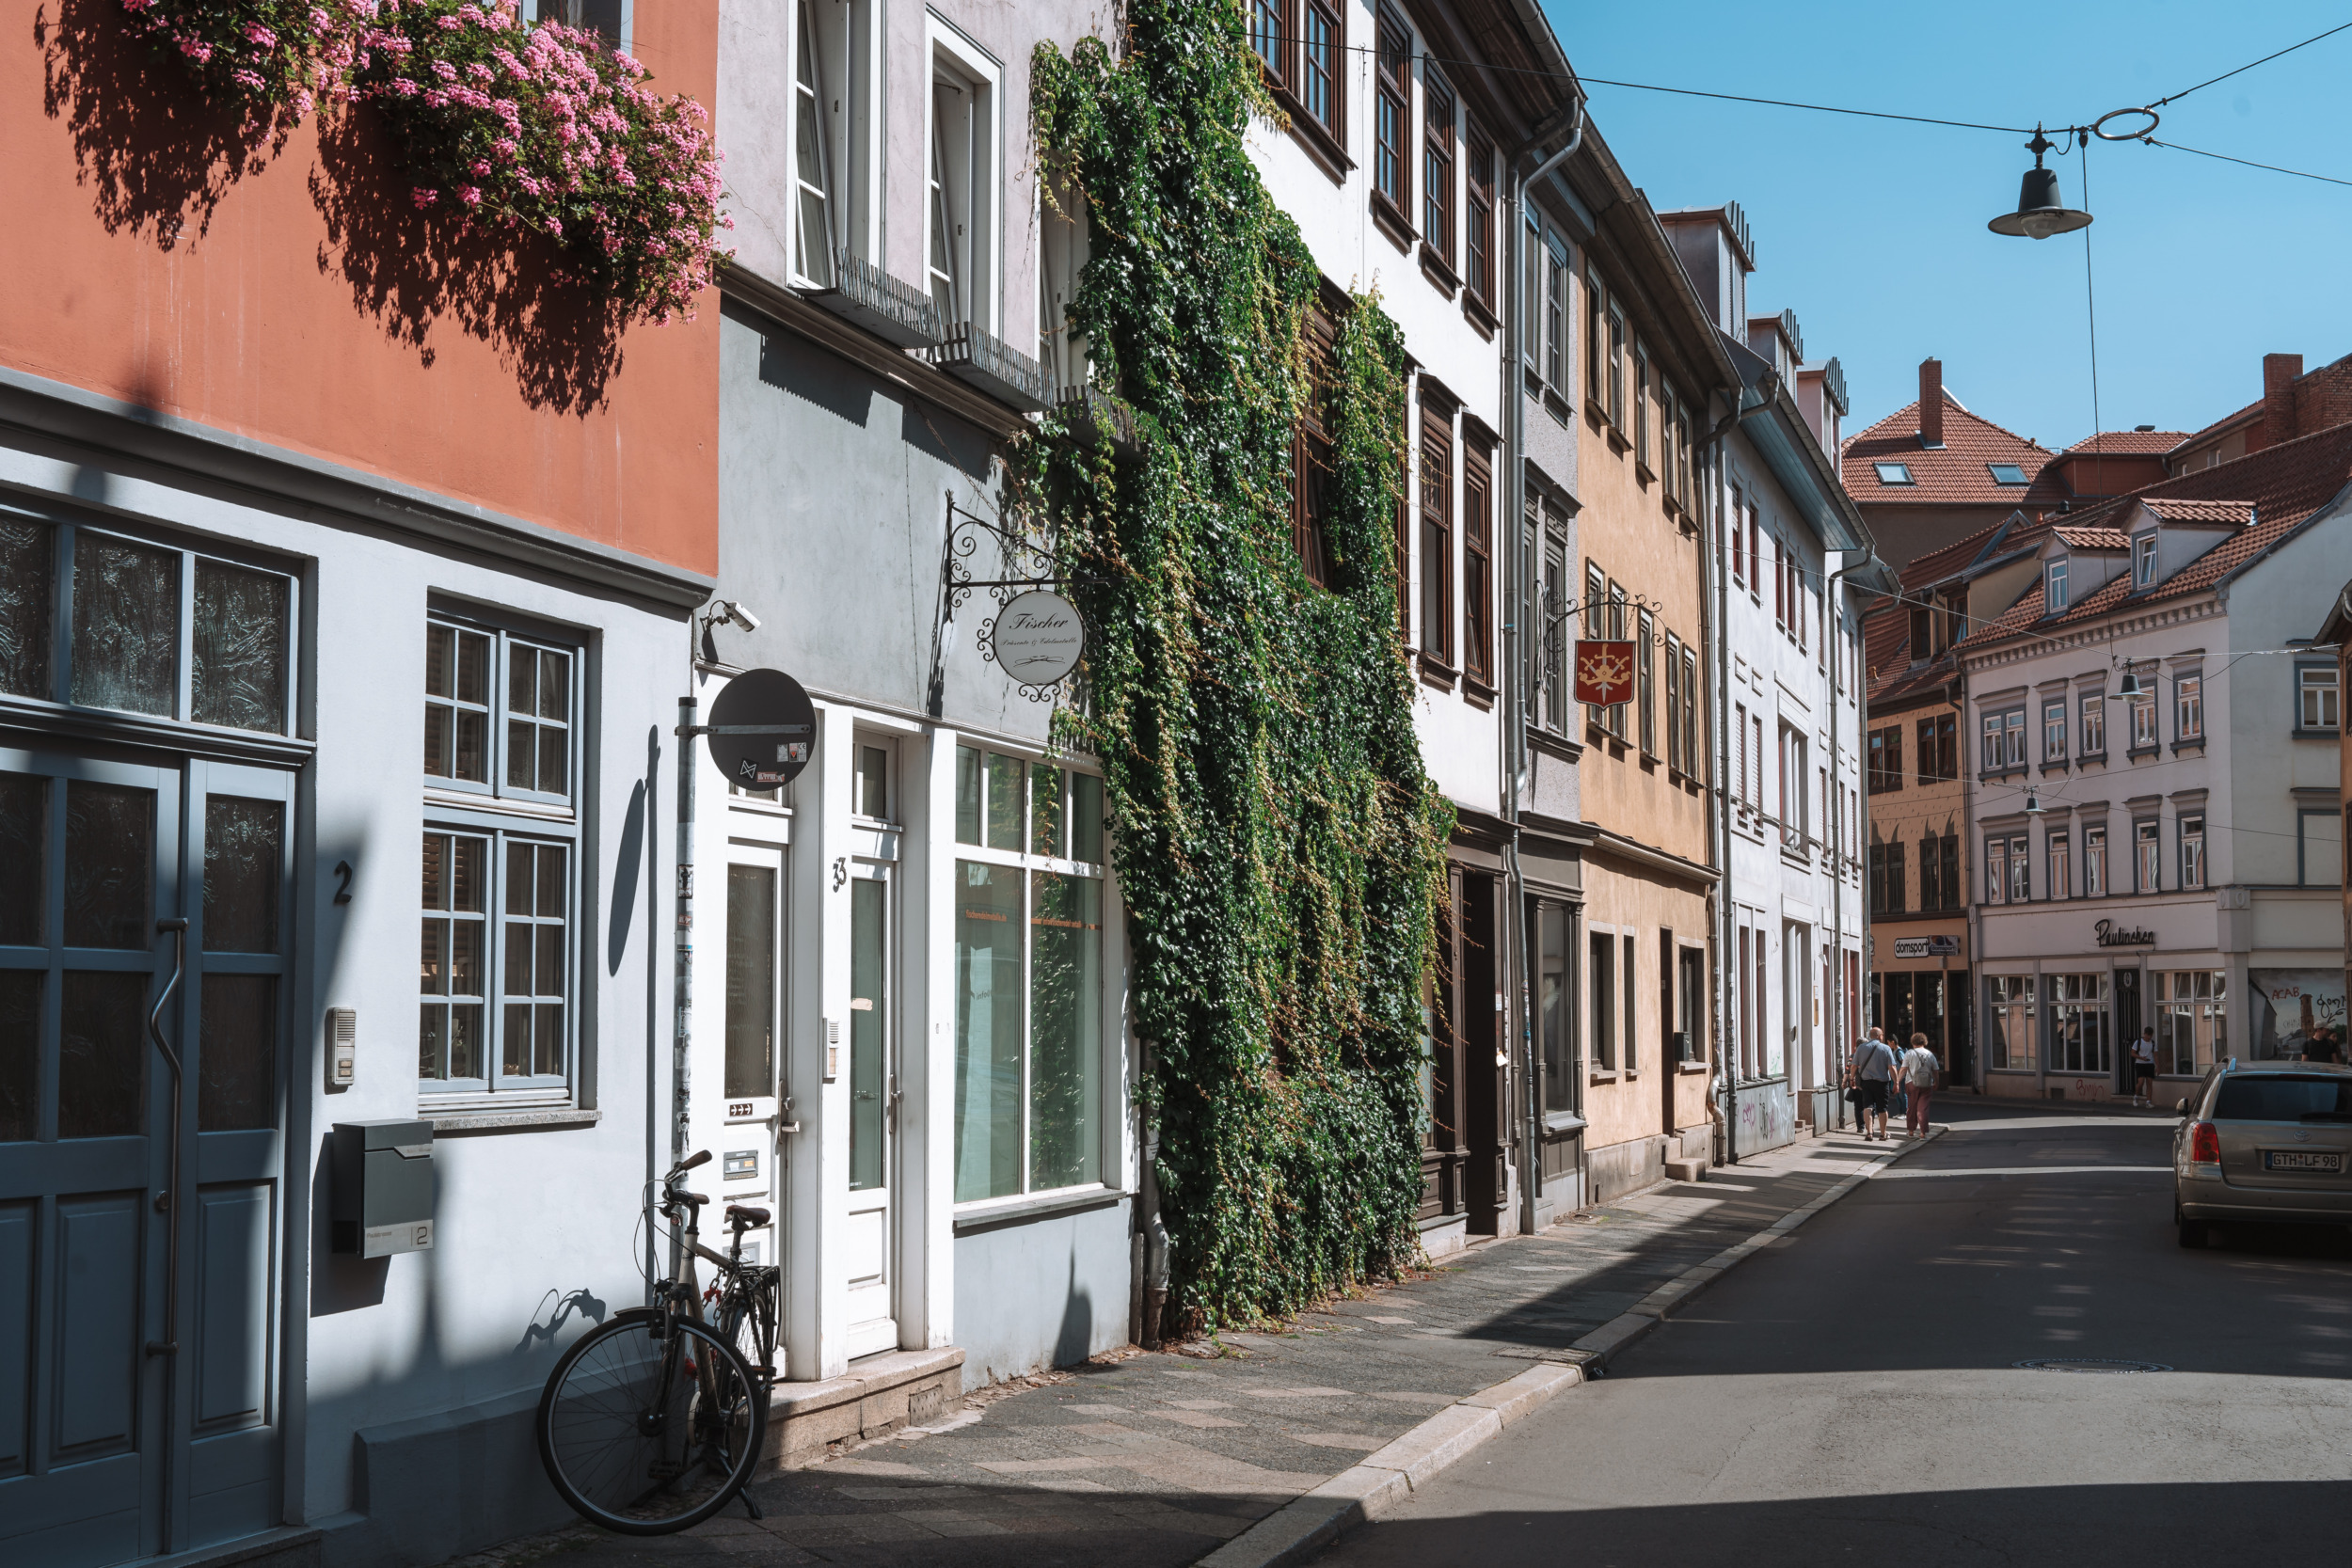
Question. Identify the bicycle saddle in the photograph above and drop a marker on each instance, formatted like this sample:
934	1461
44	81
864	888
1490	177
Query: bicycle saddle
744	1217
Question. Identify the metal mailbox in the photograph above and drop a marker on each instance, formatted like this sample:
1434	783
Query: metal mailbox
383	1198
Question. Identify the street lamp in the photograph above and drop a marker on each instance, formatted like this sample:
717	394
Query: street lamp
2033	802
2040	211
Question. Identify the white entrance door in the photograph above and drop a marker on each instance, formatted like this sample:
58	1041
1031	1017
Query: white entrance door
871	1323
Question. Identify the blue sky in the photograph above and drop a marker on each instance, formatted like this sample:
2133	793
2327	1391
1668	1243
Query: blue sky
1874	232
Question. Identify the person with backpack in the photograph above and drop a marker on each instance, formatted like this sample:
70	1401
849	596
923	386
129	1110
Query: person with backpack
1919	1071
1871	1077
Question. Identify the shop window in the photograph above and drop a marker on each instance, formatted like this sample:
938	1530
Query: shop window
2192	1020
2079	1026
2008	1018
1029	986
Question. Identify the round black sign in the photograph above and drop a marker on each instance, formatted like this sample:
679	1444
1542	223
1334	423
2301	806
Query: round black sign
762	729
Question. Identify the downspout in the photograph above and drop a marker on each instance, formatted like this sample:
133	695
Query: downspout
1831	1070
1715	634
1514	737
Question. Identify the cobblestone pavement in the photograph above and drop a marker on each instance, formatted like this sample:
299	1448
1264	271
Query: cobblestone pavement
1154	1459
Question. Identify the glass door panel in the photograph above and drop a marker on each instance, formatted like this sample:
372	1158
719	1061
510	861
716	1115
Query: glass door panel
867	1232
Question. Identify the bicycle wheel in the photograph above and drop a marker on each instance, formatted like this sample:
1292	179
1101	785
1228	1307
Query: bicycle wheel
646	1432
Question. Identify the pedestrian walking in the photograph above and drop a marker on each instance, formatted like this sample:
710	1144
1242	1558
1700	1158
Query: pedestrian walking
1919	1071
2144	1068
1871	1077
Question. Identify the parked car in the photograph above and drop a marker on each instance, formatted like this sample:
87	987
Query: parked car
2268	1141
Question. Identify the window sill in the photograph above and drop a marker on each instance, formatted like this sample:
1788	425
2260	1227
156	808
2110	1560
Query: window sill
1021	1211
2050	768
1480	316
1559	1123
1643	472
462	799
2331	737
1392	223
1617	443
1437	672
1439	271
2139	752
1477	692
2196	746
475	1119
1607	1076
1557	406
1691	1066
1553	744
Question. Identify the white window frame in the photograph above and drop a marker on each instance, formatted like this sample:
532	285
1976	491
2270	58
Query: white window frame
2054	730
2053	597
849	86
2318	698
2192	835
2144	560
970	163
2094	863
494	1085
2188	706
2061	866
1110	1076
2147	855
2094	724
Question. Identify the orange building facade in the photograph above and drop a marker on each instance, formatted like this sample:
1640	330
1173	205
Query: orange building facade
346	554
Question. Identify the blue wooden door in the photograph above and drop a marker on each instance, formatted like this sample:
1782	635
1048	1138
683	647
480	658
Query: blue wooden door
128	1419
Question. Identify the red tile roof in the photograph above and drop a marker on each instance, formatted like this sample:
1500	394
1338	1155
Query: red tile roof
2094	538
2286	484
2131	443
1953	475
2176	511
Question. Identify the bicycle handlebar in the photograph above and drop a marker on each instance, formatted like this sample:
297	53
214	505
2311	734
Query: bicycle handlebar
700	1157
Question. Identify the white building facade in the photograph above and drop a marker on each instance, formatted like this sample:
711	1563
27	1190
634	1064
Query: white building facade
2155	780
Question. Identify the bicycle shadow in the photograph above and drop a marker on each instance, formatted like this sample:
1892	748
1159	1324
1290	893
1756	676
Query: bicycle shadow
581	1303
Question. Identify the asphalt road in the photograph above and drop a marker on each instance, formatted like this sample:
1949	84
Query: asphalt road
1850	1396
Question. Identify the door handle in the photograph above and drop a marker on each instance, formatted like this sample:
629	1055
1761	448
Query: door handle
891	1110
167	1201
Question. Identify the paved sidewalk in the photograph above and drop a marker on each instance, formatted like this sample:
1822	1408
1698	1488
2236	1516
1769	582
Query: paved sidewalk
1156	1459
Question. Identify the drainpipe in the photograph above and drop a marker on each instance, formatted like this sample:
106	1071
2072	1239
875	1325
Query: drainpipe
1715	632
1837	848
1514	738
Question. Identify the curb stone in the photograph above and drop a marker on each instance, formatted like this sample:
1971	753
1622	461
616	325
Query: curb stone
1296	1531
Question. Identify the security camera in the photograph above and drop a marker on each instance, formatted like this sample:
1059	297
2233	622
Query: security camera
740	614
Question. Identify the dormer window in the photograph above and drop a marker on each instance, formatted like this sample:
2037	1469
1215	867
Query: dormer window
2006	473
1893	473
2144	560
2054	599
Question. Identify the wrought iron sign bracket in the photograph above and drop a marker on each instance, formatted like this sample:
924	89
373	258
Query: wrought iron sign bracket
1026	558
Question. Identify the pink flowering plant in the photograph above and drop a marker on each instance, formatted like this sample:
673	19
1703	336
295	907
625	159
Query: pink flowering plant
535	126
274	58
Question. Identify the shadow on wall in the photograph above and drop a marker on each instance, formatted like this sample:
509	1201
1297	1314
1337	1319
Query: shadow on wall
412	270
159	156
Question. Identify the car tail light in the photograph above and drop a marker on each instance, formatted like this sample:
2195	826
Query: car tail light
2204	1144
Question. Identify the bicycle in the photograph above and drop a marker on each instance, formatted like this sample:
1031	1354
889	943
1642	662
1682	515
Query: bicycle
652	1421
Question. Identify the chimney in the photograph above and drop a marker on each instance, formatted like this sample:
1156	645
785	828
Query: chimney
2280	372
1931	403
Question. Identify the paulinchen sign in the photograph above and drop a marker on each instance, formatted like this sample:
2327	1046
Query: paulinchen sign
1037	638
2112	935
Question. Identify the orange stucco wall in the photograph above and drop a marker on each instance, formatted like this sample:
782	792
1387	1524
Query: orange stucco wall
304	303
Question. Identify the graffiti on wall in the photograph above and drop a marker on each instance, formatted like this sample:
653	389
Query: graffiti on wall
2296	1007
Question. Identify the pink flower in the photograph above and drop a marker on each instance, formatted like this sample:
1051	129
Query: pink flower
478	166
197	50
445	70
260	35
422	197
469	195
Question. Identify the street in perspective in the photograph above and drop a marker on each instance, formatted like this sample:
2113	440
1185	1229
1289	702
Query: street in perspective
1192	782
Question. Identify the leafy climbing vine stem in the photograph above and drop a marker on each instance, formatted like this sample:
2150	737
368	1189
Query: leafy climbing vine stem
1279	847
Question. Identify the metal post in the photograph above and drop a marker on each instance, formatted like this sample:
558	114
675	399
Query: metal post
681	1084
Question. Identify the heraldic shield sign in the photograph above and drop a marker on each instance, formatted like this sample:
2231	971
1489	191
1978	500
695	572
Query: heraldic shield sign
762	729
1604	673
